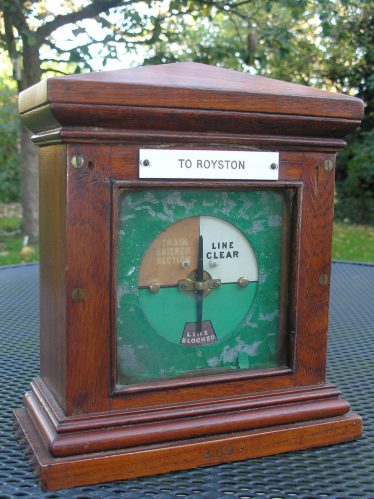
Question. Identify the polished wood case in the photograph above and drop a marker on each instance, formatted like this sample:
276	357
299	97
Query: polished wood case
76	426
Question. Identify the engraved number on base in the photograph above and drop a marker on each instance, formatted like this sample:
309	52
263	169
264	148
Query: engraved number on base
218	452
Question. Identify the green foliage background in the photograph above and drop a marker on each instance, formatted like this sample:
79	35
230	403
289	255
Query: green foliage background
327	44
9	151
355	188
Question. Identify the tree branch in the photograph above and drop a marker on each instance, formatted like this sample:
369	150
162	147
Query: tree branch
238	4
15	15
56	71
105	41
9	35
87	12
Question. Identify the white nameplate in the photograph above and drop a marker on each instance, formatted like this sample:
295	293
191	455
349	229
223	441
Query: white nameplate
206	164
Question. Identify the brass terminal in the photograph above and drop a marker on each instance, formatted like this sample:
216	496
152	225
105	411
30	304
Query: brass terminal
243	282
154	287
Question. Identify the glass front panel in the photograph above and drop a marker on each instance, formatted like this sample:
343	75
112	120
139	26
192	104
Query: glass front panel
199	277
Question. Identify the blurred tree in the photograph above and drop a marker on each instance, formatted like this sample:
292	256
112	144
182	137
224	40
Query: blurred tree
29	32
328	43
351	64
26	27
9	150
272	38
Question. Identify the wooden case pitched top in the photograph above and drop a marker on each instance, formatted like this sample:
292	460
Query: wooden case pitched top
188	96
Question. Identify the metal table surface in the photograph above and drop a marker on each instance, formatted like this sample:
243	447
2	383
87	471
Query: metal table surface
341	471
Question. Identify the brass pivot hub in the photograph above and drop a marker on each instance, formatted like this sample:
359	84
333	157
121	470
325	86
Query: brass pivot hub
192	285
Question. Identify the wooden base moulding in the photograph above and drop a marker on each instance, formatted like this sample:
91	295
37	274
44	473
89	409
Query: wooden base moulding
260	426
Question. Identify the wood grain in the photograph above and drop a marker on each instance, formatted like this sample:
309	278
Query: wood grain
52	242
74	409
172	139
177	85
88	268
181	428
150	460
315	266
187	120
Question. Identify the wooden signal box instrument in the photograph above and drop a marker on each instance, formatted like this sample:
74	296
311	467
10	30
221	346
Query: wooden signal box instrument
186	218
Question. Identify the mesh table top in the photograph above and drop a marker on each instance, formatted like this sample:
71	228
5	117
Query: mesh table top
341	471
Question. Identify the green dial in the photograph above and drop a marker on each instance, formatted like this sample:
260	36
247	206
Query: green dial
198	282
199	276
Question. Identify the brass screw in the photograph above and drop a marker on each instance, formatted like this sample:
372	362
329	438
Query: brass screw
154	287
243	282
323	279
328	165
78	294
77	161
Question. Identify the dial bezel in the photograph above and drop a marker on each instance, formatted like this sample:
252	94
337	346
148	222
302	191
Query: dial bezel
293	191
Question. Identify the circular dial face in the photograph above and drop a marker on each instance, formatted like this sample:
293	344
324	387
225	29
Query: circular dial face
198	280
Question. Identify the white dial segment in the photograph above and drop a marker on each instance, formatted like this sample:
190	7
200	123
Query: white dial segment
227	252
